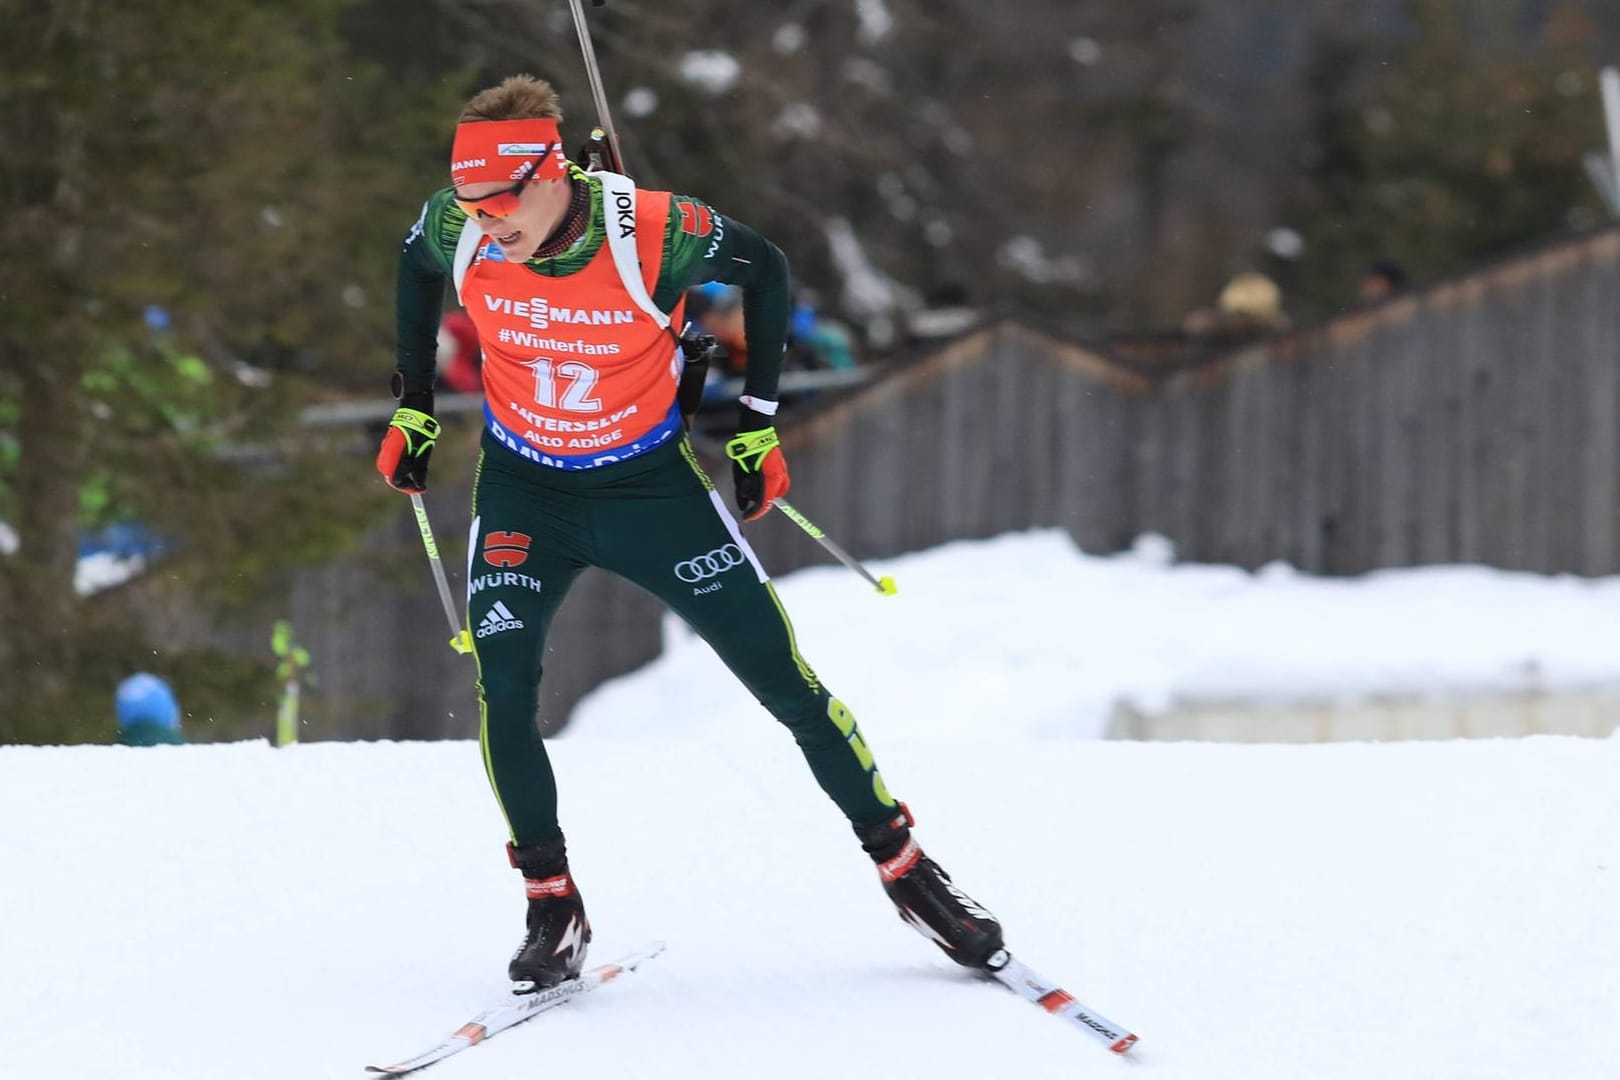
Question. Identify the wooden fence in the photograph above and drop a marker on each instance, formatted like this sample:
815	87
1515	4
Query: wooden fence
1476	421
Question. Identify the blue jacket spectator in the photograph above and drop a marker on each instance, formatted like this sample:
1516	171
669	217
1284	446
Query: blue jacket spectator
148	714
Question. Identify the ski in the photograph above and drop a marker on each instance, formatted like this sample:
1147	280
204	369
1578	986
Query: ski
521	1007
1030	985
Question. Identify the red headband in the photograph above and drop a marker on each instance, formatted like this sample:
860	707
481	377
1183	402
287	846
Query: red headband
491	150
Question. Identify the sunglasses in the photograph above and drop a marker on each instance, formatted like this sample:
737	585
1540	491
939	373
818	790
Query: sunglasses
503	202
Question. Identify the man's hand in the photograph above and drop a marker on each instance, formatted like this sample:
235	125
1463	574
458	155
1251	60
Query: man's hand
403	459
757	465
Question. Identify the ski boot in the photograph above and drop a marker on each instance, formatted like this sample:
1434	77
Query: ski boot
558	931
927	899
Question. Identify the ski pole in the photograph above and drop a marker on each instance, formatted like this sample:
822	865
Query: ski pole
615	162
884	585
461	641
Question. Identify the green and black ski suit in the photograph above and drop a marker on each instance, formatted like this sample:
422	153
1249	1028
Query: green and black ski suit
584	463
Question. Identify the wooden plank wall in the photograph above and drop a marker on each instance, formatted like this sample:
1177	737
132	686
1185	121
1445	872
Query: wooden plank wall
390	658
1476	421
1473	422
377	635
1004	430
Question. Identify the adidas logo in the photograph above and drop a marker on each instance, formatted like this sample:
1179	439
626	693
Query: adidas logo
497	619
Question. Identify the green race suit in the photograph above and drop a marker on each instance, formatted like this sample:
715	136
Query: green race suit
653	519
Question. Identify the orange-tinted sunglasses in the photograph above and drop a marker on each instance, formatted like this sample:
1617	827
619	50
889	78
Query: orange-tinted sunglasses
503	202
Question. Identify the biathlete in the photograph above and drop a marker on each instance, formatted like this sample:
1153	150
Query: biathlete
575	282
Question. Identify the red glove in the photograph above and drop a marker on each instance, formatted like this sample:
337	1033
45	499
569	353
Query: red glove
757	465
403	458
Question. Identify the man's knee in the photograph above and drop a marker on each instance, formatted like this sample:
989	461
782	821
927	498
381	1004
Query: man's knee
803	711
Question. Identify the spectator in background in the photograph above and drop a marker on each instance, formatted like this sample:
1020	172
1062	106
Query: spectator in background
1249	306
819	342
1381	279
148	714
459	357
717	309
813	342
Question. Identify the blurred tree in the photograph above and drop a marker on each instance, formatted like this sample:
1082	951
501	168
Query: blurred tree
1110	165
218	164
249	166
1447	144
1023	153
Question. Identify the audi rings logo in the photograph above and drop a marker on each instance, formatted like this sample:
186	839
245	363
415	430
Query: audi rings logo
711	565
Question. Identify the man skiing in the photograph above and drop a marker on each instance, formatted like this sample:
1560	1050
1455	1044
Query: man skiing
575	283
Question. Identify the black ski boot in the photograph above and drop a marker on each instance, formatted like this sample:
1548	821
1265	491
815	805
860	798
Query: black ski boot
927	899
554	949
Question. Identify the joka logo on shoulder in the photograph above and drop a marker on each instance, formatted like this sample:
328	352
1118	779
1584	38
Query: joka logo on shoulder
497	619
506	549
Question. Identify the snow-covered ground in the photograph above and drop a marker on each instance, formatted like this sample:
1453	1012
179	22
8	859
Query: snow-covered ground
1433	911
1026	636
94	572
1414	910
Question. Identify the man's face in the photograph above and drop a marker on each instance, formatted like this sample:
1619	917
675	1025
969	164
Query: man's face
520	231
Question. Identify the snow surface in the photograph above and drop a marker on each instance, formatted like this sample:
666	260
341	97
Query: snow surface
1413	910
711	70
876	22
92	573
1433	911
1027	636
103	570
867	290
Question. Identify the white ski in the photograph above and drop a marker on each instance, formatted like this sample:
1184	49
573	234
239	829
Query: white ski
1030	985
519	1007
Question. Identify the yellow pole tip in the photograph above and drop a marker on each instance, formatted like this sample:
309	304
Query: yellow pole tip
462	642
887	587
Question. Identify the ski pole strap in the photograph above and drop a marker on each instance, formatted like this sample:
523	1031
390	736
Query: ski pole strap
749	448
419	428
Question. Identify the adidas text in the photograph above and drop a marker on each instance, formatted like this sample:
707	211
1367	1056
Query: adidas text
498	619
